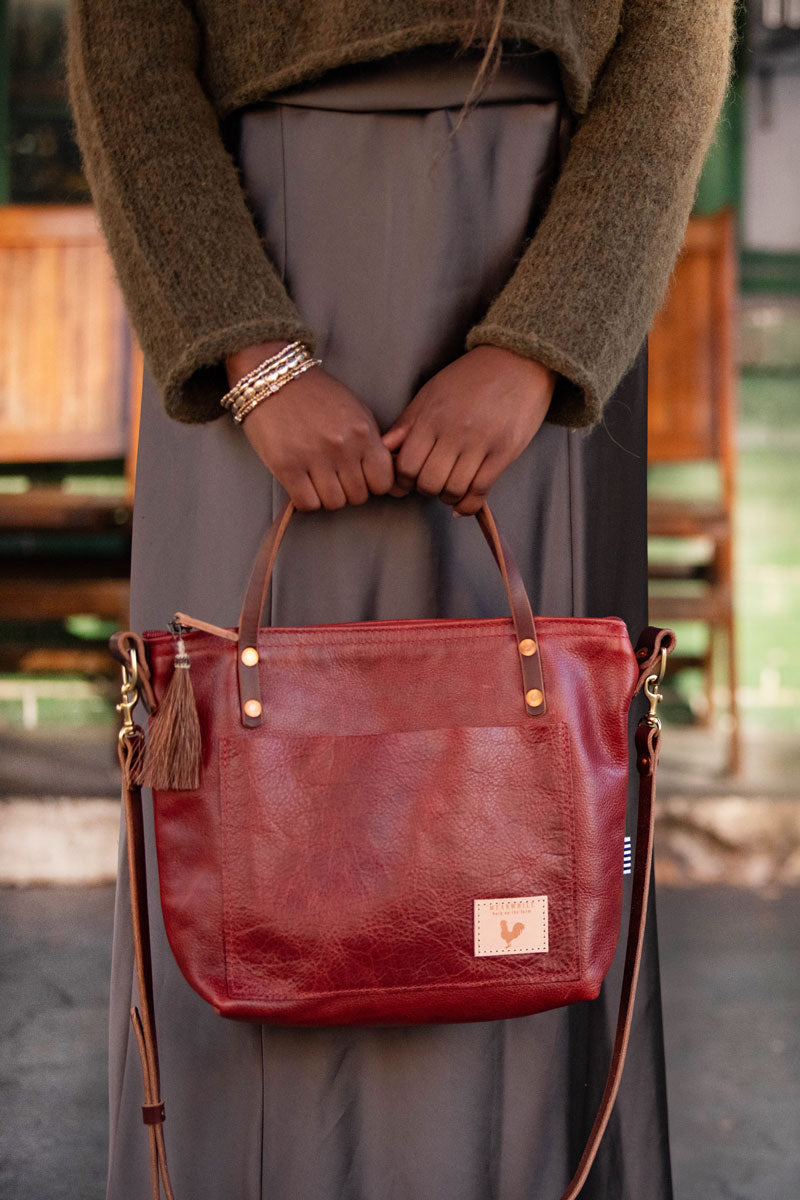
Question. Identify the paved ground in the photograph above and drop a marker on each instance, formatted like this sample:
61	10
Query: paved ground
54	966
732	1005
50	761
732	1016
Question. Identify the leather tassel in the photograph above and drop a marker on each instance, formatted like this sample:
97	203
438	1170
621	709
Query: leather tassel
172	757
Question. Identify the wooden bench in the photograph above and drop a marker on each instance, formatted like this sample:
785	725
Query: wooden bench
70	382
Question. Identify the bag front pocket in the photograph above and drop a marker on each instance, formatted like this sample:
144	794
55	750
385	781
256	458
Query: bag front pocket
352	864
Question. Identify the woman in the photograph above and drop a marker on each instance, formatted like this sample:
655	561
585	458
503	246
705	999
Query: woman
476	264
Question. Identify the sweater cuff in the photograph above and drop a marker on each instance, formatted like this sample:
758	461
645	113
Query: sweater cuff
195	383
577	399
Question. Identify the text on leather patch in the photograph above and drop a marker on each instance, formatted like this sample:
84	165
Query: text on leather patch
511	925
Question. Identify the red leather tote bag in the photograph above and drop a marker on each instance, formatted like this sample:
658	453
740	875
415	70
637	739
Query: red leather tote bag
390	821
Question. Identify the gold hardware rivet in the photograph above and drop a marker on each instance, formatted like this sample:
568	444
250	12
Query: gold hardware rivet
527	646
534	697
252	708
249	656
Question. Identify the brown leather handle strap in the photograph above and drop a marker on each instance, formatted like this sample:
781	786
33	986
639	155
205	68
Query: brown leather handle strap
250	700
521	613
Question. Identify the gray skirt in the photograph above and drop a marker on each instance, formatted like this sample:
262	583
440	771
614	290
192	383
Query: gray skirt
392	234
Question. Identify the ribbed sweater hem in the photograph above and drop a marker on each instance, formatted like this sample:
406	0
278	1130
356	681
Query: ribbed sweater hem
577	401
197	380
312	66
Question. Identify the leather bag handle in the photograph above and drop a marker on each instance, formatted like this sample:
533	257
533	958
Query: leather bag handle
250	702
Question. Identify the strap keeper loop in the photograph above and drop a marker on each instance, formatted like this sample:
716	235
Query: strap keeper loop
154	1114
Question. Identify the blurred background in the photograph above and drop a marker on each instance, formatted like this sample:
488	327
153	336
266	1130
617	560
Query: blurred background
724	525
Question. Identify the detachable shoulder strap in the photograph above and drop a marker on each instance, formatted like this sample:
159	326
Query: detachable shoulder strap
646	757
651	652
143	1017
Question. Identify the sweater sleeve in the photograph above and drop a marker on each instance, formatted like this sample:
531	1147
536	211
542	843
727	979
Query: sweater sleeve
193	270
587	287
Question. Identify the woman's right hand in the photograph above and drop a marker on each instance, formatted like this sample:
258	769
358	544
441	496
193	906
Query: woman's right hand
318	440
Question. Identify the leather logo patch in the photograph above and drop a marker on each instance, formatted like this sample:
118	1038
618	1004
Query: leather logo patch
511	925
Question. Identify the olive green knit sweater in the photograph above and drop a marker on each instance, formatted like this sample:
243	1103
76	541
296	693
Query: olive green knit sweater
150	81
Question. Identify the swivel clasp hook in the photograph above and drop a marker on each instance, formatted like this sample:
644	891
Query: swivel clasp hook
129	691
651	685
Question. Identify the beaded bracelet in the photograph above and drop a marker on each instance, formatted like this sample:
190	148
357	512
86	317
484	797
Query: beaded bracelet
266	372
248	402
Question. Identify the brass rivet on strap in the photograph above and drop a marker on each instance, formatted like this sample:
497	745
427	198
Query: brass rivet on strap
252	708
249	656
527	646
534	697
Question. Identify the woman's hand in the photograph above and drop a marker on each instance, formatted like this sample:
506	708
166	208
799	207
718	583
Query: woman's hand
467	423
315	436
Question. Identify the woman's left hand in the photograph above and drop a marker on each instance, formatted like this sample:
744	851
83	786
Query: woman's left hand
467	423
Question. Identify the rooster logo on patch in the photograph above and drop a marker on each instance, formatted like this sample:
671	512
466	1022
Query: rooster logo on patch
507	934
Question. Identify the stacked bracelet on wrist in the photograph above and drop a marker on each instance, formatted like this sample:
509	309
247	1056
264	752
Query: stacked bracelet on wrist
265	379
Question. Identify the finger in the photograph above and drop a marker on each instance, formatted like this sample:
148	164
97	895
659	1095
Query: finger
353	483
484	480
394	437
468	506
328	488
302	492
436	469
378	468
411	456
397	433
458	481
396	489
